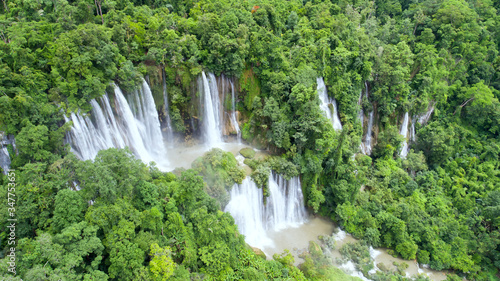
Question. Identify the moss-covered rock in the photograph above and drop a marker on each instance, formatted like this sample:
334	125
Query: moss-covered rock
247	152
250	85
259	252
382	267
315	249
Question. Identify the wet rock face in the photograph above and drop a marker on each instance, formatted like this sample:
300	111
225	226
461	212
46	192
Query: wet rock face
259	252
229	126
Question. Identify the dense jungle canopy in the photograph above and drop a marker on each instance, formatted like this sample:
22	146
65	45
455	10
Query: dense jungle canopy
440	205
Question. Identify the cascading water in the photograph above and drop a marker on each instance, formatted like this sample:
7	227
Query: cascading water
4	159
85	140
211	110
367	145
336	121
325	104
131	127
234	119
285	205
149	123
284	208
425	118
140	131
404	133
4	152
111	123
169	133
247	208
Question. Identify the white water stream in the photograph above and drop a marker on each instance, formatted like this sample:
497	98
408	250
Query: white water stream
169	135
135	125
326	101
5	141
211	110
404	132
234	118
366	145
284	208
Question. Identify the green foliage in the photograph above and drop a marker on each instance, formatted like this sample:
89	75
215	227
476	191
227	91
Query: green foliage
221	171
318	266
388	143
162	266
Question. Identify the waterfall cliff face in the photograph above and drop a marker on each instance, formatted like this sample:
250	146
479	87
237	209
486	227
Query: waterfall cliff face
211	110
133	124
326	101
284	208
217	120
169	135
5	141
404	132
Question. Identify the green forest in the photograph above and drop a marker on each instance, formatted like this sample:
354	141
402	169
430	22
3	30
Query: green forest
117	218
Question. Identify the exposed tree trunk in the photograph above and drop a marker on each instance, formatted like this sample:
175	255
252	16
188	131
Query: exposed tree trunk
99	10
414	73
5	5
463	104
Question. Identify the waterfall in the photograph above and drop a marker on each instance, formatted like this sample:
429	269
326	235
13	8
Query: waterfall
425	118
211	110
133	124
367	145
285	205
4	152
234	119
284	208
170	133
85	140
325	104
404	133
149	122
4	159
413	135
132	131
247	208
118	140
